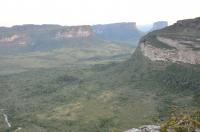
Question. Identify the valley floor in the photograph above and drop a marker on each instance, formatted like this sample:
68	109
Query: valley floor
94	98
61	99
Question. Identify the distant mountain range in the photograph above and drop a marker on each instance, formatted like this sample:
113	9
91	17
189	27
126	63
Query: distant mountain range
44	37
27	38
119	32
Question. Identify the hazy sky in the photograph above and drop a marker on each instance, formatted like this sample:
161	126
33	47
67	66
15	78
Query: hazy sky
82	12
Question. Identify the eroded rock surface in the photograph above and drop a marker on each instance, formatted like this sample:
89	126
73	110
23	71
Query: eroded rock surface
181	51
179	43
146	128
75	32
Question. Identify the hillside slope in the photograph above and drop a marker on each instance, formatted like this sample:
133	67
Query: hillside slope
169	59
177	43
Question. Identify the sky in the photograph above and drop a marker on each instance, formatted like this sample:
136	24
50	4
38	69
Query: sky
89	12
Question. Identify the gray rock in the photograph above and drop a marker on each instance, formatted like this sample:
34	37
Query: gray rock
145	128
133	130
197	130
150	128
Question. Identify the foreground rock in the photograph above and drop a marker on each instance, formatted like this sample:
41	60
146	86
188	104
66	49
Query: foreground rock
150	128
146	128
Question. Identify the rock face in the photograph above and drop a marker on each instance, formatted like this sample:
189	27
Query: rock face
146	128
75	32
179	43
16	39
17	34
159	25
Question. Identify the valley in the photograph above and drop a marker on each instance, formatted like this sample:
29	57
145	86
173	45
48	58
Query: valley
98	85
64	57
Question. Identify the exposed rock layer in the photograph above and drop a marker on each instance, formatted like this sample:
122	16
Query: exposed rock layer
174	44
146	128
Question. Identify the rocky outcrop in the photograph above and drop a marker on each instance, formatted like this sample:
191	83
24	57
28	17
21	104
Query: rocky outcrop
174	44
150	128
75	32
14	39
181	51
9	38
146	128
159	25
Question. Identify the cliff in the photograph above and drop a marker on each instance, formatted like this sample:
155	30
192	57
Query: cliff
29	37
41	37
167	62
75	32
179	43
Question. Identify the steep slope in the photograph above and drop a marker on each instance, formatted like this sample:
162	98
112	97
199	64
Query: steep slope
169	70
177	43
168	59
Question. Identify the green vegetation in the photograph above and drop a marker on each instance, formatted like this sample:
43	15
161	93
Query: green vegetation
182	121
102	97
84	90
79	99
64	57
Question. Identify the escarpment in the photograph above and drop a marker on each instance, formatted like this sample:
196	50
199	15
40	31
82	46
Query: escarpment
179	43
27	38
75	32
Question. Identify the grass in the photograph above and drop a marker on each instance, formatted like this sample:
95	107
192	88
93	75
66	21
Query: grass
83	100
63	57
98	98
